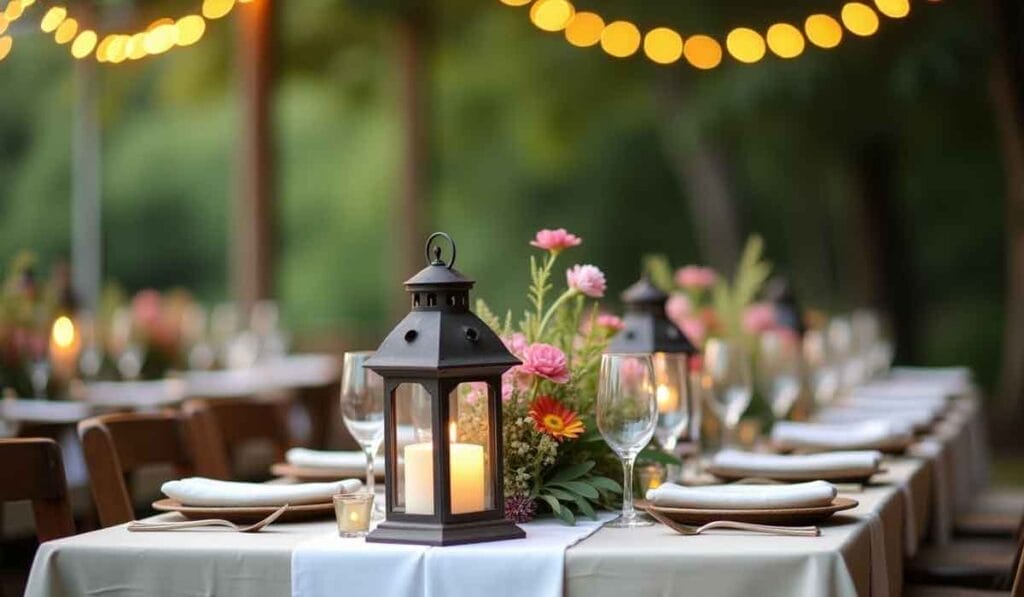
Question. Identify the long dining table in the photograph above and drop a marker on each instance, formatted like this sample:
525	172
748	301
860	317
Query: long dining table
859	552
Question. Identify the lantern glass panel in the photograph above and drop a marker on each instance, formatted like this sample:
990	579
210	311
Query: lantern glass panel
471	471
413	490
672	394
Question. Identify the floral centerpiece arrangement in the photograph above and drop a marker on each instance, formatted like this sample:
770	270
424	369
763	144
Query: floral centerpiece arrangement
555	458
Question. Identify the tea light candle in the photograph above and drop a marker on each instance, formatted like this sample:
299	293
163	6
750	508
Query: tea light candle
668	399
466	464
353	513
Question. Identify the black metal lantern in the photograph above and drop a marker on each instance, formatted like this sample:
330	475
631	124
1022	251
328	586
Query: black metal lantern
442	370
648	330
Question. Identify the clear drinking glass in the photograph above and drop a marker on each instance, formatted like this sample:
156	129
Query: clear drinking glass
627	413
362	409
778	370
822	373
726	382
671	394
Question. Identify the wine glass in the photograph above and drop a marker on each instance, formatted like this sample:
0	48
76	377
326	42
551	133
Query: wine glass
822	373
362	409
672	396
778	370
726	381
627	414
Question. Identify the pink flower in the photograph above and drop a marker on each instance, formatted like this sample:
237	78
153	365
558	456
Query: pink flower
586	279
677	307
609	322
555	240
146	308
516	344
695	277
547	361
632	370
477	391
759	317
693	328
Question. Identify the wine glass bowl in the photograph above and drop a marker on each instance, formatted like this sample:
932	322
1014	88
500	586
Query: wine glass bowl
672	396
726	381
778	370
362	408
627	414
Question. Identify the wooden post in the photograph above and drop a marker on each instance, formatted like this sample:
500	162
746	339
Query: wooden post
412	48
252	259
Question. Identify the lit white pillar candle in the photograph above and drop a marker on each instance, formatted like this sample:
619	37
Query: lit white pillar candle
466	463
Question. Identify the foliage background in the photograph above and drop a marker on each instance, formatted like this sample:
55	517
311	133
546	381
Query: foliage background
528	132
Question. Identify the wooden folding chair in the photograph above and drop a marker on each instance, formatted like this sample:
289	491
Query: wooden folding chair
118	444
34	470
223	426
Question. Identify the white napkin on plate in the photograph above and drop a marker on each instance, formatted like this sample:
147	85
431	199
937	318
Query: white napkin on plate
200	491
828	464
337	460
919	420
743	497
866	435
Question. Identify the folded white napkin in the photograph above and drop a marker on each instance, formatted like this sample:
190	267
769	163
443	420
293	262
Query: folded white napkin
919	392
752	464
200	491
743	497
337	460
866	435
916	419
933	406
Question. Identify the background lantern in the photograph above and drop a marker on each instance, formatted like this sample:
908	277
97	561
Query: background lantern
648	330
442	371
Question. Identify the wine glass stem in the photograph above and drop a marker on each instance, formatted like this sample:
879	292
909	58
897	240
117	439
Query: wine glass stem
370	477
628	513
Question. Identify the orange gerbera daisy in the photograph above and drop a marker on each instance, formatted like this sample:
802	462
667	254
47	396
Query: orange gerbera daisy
553	418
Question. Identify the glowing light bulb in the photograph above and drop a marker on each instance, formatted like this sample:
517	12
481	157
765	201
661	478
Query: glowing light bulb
190	29
6	43
103	49
66	31
215	9
620	39
894	9
823	31
27	3
584	30
135	47
117	52
551	15
63	332
785	40
702	52
83	45
516	2
53	18
158	22
663	45
859	19
14	10
745	45
162	38
3	24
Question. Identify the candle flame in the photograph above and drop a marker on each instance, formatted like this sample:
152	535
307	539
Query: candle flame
452	432
663	394
63	332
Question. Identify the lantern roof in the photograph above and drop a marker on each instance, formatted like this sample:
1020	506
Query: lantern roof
441	336
646	326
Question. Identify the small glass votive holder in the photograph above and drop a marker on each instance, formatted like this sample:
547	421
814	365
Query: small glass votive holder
353	511
651	477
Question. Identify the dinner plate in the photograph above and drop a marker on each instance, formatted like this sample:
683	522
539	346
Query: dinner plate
780	516
319	473
793	477
246	515
893	449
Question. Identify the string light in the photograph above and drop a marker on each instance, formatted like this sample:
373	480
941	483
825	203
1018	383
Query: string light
823	31
859	19
215	9
584	30
190	29
663	45
83	44
785	40
745	45
620	39
3	24
66	31
13	10
6	43
53	18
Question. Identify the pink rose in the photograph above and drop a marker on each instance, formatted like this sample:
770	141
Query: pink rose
555	240
677	307
612	323
586	279
759	317
693	328
695	277
547	361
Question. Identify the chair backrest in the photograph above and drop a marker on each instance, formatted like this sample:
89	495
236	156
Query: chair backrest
117	444
34	470
223	425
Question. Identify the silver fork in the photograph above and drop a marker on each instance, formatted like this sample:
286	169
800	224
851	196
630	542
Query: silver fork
768	529
142	526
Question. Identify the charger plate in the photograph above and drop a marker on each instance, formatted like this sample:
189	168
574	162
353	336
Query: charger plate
793	477
246	515
780	516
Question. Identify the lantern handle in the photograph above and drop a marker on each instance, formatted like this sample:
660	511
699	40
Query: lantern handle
437	250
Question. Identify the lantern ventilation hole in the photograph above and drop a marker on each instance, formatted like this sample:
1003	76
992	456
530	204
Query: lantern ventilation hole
411	335
416	300
472	334
451	300
431	300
